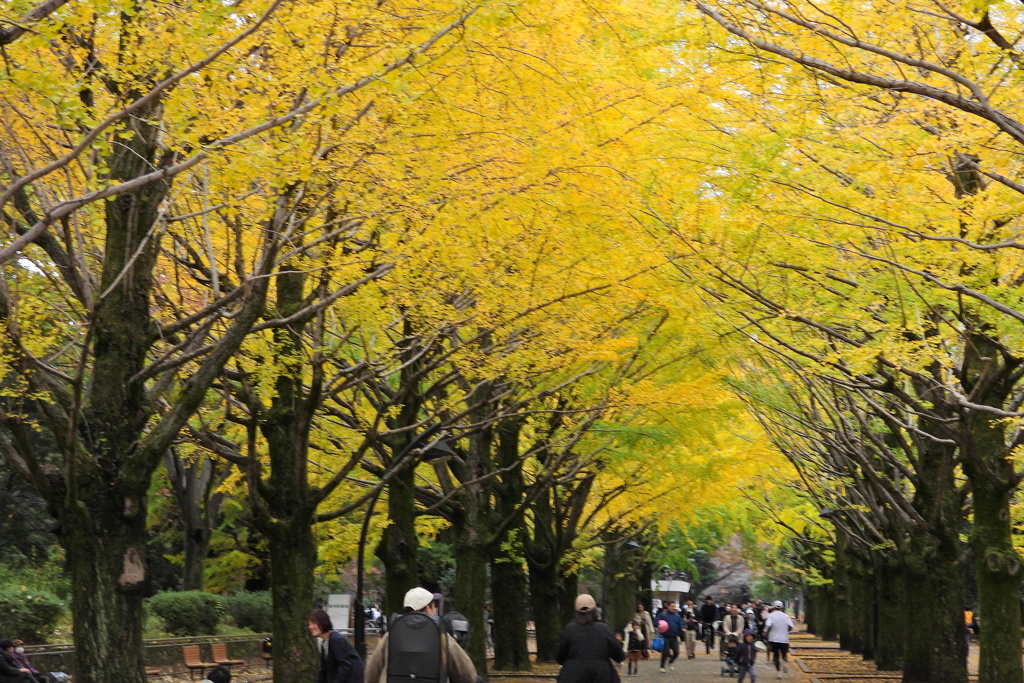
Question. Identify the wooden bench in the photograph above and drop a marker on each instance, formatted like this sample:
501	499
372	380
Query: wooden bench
190	653
220	655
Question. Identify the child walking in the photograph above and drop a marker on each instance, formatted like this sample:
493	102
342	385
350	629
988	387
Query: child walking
634	650
746	653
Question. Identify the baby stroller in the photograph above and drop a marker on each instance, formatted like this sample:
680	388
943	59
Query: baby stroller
729	666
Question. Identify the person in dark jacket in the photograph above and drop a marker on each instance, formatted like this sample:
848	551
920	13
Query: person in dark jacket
10	672
588	647
339	662
21	661
746	653
670	652
708	617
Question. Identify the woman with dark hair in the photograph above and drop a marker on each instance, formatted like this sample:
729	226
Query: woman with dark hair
588	647
10	672
339	662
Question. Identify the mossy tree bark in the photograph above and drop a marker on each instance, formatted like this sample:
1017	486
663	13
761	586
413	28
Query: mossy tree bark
508	579
990	375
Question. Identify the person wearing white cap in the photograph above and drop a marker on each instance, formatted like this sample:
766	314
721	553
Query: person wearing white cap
459	666
588	647
776	629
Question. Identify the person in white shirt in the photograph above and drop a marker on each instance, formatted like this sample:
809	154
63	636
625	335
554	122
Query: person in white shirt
776	630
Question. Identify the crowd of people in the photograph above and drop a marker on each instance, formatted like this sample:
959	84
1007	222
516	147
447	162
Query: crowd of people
588	651
741	630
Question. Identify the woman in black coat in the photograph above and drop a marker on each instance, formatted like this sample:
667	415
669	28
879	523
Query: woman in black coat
339	662
588	647
10	672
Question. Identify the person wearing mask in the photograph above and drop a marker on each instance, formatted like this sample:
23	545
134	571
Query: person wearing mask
21	659
10	672
339	662
588	647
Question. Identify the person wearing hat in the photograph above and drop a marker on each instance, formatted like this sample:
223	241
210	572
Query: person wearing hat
776	630
459	666
10	672
588	647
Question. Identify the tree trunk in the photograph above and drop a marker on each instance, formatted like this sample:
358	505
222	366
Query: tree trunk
105	542
620	590
547	615
508	580
193	483
292	563
999	582
470	595
399	545
892	610
508	598
988	465
934	590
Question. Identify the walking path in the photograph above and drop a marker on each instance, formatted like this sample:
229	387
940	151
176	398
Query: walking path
707	668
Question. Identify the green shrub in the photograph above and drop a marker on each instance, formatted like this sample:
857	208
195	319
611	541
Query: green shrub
28	614
250	610
188	613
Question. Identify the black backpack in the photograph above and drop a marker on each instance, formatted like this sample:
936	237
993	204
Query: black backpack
416	650
458	627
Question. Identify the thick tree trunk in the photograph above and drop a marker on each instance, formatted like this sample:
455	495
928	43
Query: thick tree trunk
998	568
106	547
933	593
508	579
292	563
508	598
620	590
470	595
547	616
892	609
399	545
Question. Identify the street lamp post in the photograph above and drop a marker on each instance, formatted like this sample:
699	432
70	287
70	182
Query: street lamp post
435	451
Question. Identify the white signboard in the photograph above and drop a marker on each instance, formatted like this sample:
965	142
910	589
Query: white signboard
339	608
670	586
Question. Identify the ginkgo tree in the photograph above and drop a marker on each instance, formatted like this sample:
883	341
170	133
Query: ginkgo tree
113	333
867	178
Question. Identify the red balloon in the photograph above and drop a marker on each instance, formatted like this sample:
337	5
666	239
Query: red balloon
662	625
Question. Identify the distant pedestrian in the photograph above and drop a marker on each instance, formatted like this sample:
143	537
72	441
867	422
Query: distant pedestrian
674	628
776	629
635	645
643	618
588	647
746	655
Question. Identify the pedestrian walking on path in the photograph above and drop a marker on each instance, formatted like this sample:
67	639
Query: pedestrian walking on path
776	629
588	647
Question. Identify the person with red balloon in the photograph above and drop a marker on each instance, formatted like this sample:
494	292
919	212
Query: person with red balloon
670	625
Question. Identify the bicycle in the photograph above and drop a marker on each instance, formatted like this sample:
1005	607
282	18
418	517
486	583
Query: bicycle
709	637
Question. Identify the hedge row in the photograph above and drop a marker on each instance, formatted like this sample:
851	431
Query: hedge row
195	613
33	614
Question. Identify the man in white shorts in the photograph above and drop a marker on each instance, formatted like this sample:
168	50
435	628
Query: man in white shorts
776	630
